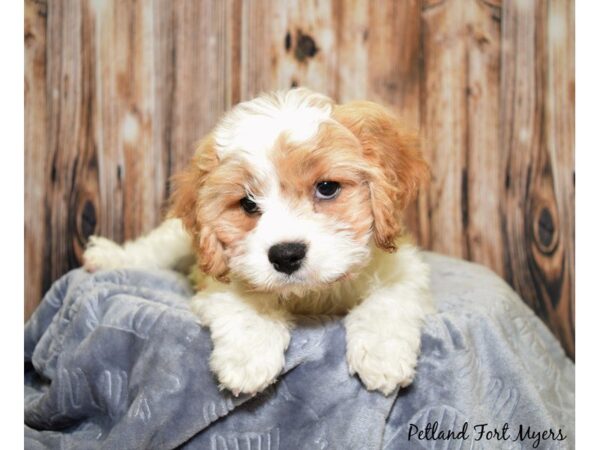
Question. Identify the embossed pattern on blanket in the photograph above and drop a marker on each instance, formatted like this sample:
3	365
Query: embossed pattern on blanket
116	360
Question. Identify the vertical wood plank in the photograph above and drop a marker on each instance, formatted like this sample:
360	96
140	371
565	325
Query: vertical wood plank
394	72
559	124
394	56
482	178
444	118
234	60
164	57
201	79
461	46
131	158
354	60
71	190
538	238
35	149
262	32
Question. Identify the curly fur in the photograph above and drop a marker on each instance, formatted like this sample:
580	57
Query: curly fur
275	150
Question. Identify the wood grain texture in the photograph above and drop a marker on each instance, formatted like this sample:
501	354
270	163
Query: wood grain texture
444	121
129	156
537	117
201	74
71	176
559	126
117	94
35	142
482	180
395	73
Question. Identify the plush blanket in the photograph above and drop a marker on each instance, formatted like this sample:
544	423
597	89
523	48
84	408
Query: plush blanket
116	360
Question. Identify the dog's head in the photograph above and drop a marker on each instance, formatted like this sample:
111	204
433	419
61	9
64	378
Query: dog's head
290	191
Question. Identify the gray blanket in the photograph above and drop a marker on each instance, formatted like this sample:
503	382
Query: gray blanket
116	360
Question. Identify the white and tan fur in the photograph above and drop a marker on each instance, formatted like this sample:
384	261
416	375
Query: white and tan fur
274	150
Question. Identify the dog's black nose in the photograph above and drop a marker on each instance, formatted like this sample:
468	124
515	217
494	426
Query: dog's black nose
287	257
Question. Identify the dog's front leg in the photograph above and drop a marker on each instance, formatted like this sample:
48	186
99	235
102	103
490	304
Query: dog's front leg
383	333
165	247
249	338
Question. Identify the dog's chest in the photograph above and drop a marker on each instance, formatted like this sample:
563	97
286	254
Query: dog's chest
336	301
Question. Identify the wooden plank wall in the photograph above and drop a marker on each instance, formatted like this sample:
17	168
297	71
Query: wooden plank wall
118	92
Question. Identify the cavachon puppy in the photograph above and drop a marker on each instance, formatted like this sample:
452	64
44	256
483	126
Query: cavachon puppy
292	206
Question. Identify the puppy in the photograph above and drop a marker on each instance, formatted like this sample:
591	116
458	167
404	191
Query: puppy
292	205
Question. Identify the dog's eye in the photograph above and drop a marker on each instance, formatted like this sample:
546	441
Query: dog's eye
249	206
327	190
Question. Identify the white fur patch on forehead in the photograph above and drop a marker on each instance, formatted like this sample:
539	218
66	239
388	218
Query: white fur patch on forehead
251	128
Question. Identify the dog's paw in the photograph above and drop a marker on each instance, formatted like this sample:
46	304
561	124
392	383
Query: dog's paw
102	254
381	364
246	368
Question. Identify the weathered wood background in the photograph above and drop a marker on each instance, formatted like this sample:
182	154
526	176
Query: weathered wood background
117	92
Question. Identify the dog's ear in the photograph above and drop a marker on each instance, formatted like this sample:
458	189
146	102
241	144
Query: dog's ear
399	169
186	204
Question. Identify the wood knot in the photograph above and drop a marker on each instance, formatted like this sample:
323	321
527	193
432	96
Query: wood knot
287	42
306	46
29	38
545	232
88	220
481	37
